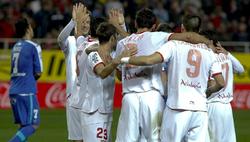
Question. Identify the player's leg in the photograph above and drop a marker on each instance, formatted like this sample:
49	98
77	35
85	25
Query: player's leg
96	127
151	110
128	124
197	128
174	125
221	124
73	124
28	111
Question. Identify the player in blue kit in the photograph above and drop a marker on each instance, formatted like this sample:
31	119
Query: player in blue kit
26	68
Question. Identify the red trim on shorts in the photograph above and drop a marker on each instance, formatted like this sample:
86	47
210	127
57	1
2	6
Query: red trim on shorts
169	37
97	65
162	59
213	75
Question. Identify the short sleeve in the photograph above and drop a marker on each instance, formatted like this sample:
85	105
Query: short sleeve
159	38
94	59
166	51
216	66
38	65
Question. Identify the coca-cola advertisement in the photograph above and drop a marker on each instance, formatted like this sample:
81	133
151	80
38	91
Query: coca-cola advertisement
53	95
50	95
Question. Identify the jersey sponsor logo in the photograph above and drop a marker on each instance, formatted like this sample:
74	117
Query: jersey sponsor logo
190	84
94	58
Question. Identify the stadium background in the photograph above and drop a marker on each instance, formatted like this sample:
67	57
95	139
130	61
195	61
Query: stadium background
229	18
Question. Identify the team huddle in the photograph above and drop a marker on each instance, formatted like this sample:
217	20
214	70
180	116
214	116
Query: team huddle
193	104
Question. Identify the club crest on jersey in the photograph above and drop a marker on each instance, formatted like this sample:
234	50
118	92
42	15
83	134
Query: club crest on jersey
95	58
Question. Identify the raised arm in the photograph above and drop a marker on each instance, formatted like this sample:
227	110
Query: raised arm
116	18
65	33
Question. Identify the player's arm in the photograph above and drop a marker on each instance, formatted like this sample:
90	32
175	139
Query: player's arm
104	71
37	62
116	18
216	74
237	66
81	14
161	55
143	60
65	33
215	85
191	37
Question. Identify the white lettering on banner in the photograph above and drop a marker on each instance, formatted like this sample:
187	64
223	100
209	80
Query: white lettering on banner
241	99
56	96
4	96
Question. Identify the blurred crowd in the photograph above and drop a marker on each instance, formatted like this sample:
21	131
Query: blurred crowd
229	18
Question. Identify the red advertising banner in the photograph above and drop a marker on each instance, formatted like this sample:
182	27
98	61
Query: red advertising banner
241	96
50	95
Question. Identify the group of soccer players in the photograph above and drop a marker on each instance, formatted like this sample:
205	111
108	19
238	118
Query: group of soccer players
200	81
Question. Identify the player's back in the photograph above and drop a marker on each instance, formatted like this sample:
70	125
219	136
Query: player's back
137	78
188	71
25	62
225	95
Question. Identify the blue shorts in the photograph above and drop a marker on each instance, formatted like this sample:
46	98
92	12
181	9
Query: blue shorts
25	108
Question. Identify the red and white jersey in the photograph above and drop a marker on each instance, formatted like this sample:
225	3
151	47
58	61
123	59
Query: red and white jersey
96	93
190	66
225	95
138	78
70	49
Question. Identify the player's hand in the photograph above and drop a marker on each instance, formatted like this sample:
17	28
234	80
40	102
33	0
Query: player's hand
220	49
130	50
81	15
116	17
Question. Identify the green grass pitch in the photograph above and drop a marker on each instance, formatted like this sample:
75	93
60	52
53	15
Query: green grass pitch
53	126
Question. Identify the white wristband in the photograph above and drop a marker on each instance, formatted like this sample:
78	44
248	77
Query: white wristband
125	60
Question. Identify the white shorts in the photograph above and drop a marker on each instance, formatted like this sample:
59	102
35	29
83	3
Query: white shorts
179	126
220	123
73	123
96	126
140	118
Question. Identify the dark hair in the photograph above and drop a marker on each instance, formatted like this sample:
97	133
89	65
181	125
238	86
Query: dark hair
164	27
105	31
94	23
191	23
211	35
74	2
21	27
145	18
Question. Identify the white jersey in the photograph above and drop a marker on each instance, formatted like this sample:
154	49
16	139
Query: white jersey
82	62
98	93
225	95
138	78
70	50
190	66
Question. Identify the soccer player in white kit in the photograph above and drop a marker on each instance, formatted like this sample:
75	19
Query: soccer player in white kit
68	45
221	123
142	103
97	87
185	116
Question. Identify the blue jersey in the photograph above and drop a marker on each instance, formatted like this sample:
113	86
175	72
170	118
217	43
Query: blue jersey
26	61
